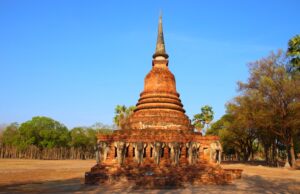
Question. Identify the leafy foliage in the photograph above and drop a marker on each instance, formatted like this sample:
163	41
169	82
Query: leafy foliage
122	113
44	133
294	52
267	111
204	118
10	135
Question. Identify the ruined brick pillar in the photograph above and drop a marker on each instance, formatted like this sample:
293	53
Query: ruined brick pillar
130	151
183	156
128	156
111	153
166	153
148	149
200	154
166	156
150	156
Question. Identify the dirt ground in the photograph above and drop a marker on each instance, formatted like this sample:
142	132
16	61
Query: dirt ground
66	176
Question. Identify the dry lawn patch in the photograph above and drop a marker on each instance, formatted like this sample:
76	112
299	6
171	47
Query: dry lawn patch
66	176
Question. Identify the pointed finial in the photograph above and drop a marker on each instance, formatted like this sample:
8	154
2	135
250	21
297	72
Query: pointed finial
160	44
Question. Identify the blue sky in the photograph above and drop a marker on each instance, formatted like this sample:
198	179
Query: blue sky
75	61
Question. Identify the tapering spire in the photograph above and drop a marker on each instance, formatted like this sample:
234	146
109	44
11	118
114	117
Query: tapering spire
160	44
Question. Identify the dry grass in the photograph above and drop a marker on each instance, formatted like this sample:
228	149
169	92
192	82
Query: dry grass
24	171
66	176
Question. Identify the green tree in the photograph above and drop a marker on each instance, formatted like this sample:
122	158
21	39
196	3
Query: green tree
232	137
204	118
280	94
83	140
216	127
220	128
294	52
43	132
91	136
10	135
243	112
122	113
79	138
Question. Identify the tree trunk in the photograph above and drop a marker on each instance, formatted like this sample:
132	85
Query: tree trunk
274	154
292	154
287	163
250	151
266	151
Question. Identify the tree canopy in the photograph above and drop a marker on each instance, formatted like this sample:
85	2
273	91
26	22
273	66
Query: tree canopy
294	52
43	137
267	111
203	118
43	132
122	113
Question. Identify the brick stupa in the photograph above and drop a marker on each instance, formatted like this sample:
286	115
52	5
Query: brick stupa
158	147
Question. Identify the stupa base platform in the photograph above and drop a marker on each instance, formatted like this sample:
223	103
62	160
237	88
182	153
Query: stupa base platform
165	176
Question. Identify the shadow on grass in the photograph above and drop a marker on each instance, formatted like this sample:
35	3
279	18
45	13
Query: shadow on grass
265	185
248	184
259	163
75	185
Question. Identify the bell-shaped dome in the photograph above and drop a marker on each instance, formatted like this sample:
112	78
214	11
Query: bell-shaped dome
160	89
159	106
160	79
